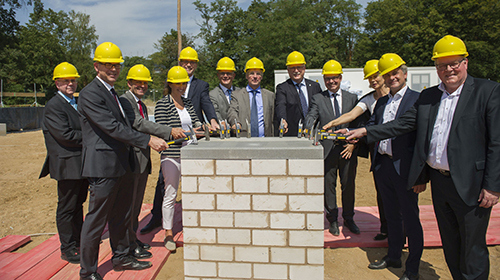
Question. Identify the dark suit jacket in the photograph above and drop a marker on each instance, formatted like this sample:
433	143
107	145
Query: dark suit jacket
321	109
473	144
198	93
107	134
63	140
288	105
402	146
142	158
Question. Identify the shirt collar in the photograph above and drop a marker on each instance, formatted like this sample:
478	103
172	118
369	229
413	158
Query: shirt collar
303	83
224	89
401	92
137	99
66	97
108	86
249	89
455	93
334	93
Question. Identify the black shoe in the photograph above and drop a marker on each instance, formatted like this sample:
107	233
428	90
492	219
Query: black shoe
385	262
409	276
351	226
380	236
72	255
141	253
130	263
334	228
93	276
143	245
152	225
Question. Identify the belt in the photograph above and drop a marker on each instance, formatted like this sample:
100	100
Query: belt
385	155
443	172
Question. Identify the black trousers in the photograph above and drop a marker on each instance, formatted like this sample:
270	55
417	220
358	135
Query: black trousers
346	169
140	181
110	201
401	211
462	228
71	194
158	199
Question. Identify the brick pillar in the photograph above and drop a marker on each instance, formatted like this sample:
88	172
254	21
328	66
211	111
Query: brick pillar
253	209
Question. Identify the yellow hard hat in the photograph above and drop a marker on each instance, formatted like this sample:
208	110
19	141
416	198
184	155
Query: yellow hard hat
254	63
188	54
108	52
177	75
389	62
139	72
295	58
449	46
65	70
225	64
371	68
332	67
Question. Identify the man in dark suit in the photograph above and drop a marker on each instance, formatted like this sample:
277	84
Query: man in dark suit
293	95
338	157
108	165
63	140
221	94
390	166
457	125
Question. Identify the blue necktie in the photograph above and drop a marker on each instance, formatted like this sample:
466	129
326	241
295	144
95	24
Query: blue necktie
229	94
254	115
336	108
303	101
72	102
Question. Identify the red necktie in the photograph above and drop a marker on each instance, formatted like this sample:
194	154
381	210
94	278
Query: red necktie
140	109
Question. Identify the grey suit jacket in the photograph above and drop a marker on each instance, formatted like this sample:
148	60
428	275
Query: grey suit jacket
239	110
63	140
219	100
321	110
142	157
107	135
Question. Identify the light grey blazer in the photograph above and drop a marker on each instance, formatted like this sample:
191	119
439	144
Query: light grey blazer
219	100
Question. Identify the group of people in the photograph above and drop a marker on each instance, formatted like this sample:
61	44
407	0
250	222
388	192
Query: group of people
101	146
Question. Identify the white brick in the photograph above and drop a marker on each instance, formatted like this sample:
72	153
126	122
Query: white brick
270	271
217	184
233	202
305	167
232	167
191	252
269	202
287	185
216	253
233	236
197	167
306	272
189	218
252	220
288	255
189	184
315	185
197	268
251	254
306	203
315	256
198	201
287	221
250	185
315	221
192	278
269	167
269	237
216	219
307	238
199	235
237	270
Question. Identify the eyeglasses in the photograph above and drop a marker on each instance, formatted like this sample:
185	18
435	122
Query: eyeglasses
226	73
299	67
332	78
453	65
66	81
117	66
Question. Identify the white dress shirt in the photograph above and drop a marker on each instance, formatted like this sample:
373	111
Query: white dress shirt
337	95
390	111
303	87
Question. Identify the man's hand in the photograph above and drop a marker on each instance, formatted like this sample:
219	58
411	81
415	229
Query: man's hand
419	188
488	198
214	125
328	125
157	144
177	133
356	133
285	126
347	152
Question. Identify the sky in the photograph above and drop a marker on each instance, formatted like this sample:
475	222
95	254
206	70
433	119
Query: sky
133	25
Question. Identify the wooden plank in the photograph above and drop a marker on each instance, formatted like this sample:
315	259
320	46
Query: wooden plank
46	268
23	94
6	258
11	242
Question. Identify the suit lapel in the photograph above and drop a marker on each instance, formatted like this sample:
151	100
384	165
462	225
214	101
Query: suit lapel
328	104
433	111
463	100
223	96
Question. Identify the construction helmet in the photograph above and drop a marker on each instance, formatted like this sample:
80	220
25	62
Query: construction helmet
188	54
177	75
371	67
332	67
139	72
389	62
449	46
65	70
108	52
254	63
225	64
295	58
